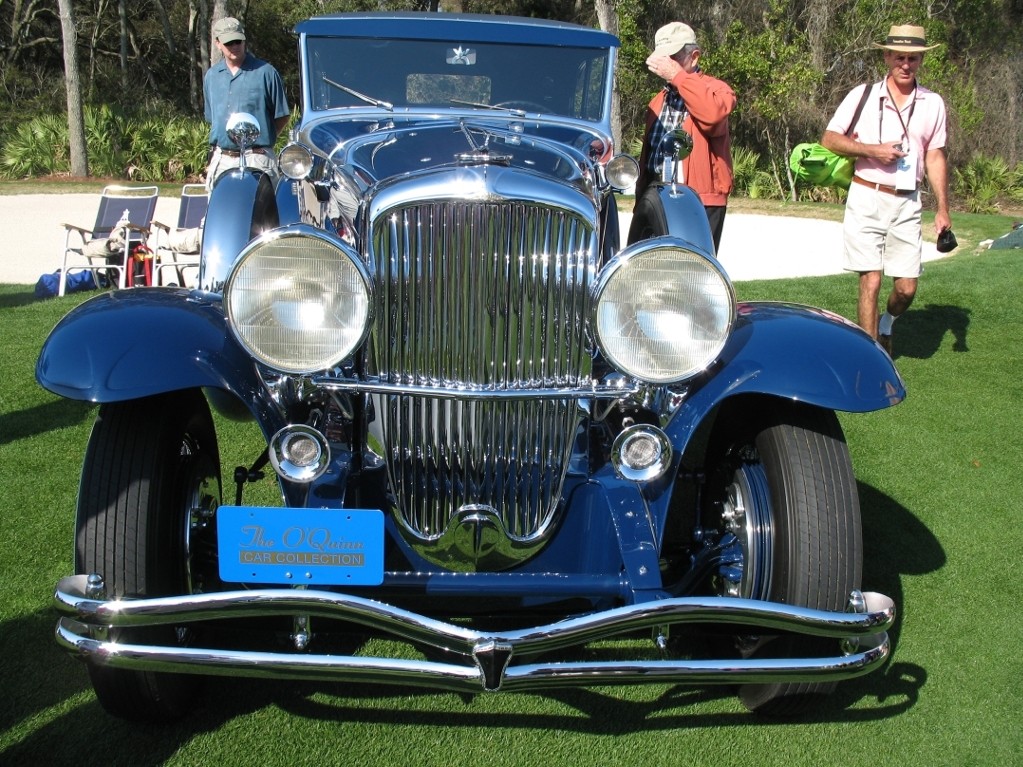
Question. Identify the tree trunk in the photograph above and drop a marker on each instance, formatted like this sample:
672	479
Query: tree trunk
194	68
122	16
75	118
219	12
91	58
607	17
203	23
165	23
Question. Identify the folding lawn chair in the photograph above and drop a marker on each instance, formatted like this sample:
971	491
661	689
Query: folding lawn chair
178	248
107	247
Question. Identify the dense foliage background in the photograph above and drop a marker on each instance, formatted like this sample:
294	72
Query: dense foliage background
790	62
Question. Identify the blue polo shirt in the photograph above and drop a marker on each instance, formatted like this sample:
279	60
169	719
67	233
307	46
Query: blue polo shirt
257	88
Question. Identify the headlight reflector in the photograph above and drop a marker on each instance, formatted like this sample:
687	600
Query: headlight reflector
299	301
663	312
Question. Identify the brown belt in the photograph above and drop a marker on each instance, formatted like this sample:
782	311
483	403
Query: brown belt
883	187
236	153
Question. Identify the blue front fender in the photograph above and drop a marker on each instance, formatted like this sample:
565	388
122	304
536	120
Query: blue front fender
242	206
136	343
674	210
796	353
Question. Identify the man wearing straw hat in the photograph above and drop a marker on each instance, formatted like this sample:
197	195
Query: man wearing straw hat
900	136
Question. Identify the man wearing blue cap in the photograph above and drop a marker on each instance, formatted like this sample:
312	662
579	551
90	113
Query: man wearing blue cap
242	83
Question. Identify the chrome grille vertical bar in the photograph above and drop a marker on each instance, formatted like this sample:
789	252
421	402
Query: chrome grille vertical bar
492	296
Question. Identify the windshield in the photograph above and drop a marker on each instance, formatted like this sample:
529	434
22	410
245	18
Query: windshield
348	72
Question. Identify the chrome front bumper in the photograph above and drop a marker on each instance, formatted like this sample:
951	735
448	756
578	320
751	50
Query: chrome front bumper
862	643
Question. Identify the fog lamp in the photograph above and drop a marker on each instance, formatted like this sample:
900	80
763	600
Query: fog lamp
641	453
299	453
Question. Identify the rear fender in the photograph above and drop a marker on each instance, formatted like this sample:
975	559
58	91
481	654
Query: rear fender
242	206
796	353
136	343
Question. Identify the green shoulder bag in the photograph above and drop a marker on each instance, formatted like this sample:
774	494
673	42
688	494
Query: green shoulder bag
814	165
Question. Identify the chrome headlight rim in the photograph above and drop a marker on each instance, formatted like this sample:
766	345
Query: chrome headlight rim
346	257
725	311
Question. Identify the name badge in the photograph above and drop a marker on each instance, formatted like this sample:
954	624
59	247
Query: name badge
905	172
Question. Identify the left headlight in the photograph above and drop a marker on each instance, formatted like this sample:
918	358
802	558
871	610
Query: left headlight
662	311
299	301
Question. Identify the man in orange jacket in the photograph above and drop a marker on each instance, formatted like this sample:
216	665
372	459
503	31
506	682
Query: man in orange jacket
698	104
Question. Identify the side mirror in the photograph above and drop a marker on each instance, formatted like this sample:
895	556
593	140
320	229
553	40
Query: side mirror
677	146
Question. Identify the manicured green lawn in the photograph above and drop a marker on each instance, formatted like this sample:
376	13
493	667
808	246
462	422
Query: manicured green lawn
940	481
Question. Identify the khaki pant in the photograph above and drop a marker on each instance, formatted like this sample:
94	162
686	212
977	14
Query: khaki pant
261	158
881	232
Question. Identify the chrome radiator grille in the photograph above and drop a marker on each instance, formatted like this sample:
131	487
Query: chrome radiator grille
481	302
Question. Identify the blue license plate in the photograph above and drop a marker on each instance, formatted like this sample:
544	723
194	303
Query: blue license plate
301	547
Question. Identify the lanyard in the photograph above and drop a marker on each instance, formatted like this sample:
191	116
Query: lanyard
898	112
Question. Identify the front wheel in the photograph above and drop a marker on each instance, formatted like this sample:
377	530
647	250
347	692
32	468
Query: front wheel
150	486
786	491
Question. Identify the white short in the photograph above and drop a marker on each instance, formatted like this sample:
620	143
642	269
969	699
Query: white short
882	232
220	163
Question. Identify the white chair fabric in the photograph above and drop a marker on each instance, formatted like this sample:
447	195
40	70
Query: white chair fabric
179	248
123	222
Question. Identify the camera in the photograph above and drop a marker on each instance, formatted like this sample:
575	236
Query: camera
947	241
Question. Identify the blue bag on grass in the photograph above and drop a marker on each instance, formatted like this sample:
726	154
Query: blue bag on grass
49	284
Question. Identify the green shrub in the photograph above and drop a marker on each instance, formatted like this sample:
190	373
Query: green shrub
37	147
151	148
1016	190
190	139
744	169
147	155
982	182
763	186
105	141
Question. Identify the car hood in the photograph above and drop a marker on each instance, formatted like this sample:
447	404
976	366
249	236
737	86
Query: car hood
374	150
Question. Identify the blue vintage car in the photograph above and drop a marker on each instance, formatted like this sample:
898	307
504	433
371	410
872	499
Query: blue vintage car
501	436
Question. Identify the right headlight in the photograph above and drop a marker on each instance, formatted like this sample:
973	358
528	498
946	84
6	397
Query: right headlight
662	312
298	300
